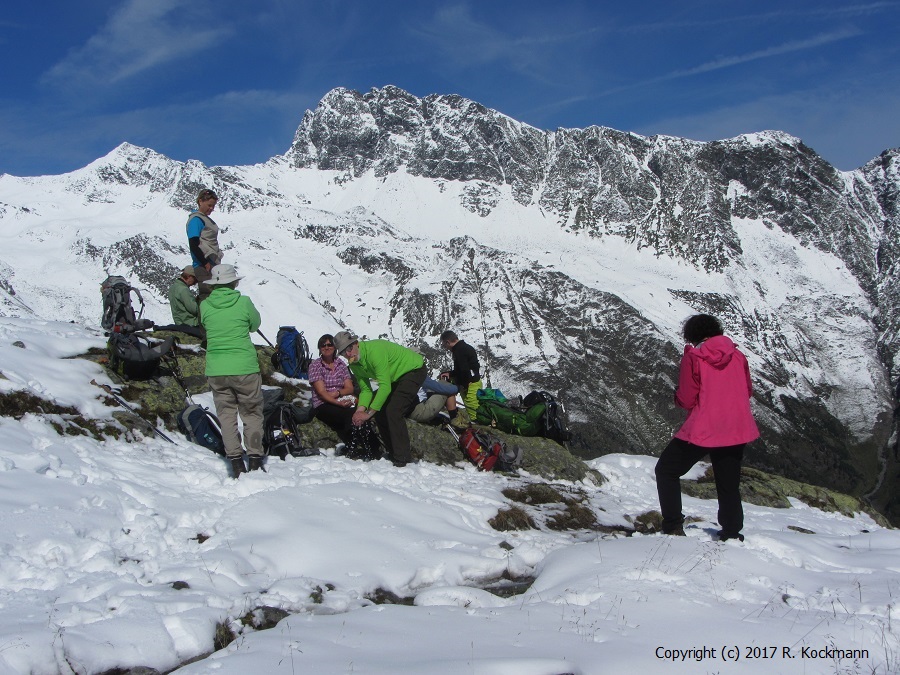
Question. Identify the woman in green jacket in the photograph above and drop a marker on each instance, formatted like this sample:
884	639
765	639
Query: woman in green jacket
232	368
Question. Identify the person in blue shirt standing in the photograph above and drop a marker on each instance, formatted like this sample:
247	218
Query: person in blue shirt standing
203	240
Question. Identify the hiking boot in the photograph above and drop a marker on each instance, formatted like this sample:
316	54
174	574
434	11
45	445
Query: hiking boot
237	467
673	527
256	463
400	463
725	536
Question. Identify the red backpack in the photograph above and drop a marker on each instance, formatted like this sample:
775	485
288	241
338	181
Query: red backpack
480	448
487	451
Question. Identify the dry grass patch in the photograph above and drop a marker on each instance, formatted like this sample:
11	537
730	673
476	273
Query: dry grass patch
576	516
534	493
512	518
66	420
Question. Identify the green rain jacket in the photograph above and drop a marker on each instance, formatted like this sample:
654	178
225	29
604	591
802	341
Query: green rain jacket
185	309
229	318
385	362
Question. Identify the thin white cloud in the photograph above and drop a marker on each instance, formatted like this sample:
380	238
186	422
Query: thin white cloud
786	48
731	61
709	66
811	13
140	35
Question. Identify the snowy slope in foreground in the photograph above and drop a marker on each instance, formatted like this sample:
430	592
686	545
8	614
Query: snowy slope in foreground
96	534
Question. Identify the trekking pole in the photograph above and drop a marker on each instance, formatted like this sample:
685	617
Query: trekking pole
274	358
452	432
109	390
174	366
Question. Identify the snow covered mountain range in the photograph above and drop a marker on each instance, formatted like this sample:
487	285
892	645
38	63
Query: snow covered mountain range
568	258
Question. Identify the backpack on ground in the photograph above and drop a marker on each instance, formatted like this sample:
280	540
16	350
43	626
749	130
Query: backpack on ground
280	434
200	426
291	355
271	398
552	424
490	395
510	458
510	420
487	451
274	396
133	358
118	313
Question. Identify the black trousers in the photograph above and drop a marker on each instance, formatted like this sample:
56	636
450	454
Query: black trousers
677	459
338	418
391	419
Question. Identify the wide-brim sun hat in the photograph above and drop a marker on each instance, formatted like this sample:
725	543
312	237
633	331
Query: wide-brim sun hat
222	274
344	339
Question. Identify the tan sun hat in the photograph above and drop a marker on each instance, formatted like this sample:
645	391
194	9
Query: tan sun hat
221	275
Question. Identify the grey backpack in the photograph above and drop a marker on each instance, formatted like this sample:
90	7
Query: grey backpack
118	314
510	458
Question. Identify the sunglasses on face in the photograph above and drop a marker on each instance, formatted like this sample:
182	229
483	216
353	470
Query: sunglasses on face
327	344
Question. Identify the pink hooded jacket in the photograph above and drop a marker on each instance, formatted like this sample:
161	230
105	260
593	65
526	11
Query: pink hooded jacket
714	387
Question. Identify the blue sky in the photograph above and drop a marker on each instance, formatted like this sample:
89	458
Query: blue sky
227	81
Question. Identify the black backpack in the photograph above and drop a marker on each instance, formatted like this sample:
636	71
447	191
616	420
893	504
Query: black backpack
291	355
552	424
271	398
280	435
118	314
201	427
133	358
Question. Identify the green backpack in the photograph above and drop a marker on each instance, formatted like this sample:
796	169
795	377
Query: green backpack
510	420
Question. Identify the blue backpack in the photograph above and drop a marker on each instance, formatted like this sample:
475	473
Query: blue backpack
201	427
292	356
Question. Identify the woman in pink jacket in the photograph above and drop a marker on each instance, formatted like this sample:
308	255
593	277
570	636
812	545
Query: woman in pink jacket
714	387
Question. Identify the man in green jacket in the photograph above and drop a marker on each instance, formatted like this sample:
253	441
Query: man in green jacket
399	373
232	368
184	305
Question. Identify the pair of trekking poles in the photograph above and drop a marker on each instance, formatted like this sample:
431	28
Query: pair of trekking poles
122	402
172	361
177	375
